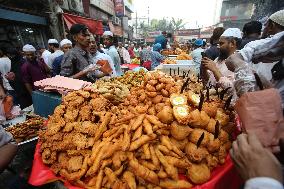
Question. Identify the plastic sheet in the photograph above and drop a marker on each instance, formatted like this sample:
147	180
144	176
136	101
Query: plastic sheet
223	177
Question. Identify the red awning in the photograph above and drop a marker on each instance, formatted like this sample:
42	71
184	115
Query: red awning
95	26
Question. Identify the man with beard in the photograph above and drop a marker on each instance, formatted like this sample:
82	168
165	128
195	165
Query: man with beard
111	51
33	69
216	72
99	58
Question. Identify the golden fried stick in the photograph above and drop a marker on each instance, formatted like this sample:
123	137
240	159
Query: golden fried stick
149	165
162	174
112	178
138	122
137	134
147	127
154	120
129	178
166	141
169	168
103	126
99	179
146	151
126	139
175	184
119	171
154	157
142	171
181	163
140	141
110	132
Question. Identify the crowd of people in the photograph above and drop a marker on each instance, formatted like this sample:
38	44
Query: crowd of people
231	60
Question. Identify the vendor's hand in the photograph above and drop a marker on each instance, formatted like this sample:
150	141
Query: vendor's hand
252	160
208	64
105	67
10	76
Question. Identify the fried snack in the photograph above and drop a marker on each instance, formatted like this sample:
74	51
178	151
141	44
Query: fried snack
154	120
211	126
211	161
110	176
154	157
169	168
181	113
196	134
147	127
146	151
141	141
142	171
222	117
137	134
178	99
149	165
181	163
198	173
214	144
175	184
180	132
194	153
129	179
103	126
210	108
138	122
193	98
166	115
180	143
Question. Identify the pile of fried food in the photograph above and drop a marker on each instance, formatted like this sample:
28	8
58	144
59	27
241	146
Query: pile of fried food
169	61
144	142
115	92
131	78
26	130
183	56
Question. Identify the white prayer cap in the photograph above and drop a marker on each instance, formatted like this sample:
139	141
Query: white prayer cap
28	48
108	33
232	32
52	41
64	42
278	17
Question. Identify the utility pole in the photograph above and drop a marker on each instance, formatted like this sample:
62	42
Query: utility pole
148	16
136	25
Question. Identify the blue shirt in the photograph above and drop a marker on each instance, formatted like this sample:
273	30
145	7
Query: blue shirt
157	58
56	65
162	40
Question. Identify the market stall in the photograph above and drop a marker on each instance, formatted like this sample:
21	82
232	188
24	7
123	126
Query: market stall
141	129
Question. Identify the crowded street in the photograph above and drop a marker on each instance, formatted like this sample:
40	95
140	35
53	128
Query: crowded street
132	94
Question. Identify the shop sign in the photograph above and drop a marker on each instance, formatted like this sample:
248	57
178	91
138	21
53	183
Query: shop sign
188	32
154	33
119	8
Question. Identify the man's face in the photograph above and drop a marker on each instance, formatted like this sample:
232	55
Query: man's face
65	48
225	48
51	48
30	56
268	29
93	46
83	38
107	41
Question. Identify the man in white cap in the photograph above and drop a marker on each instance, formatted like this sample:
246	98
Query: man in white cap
33	69
111	51
65	46
46	53
216	72
54	46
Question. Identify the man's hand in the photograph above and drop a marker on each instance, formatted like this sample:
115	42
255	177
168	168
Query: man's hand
10	76
208	64
105	67
252	160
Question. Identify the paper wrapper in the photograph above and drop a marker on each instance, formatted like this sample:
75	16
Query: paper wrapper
261	113
223	177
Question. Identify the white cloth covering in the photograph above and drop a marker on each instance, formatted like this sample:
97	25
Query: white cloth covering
263	183
54	55
5	67
102	56
45	55
28	48
232	32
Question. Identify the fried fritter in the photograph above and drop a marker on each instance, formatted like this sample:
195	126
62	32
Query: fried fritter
71	115
75	163
194	153
85	113
198	173
195	135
